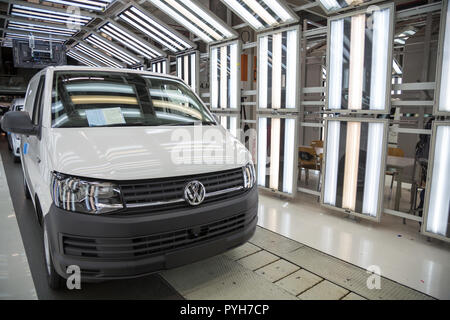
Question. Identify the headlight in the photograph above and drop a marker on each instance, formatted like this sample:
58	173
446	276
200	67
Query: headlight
75	194
249	175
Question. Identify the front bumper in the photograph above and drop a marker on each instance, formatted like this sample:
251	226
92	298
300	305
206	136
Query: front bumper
117	247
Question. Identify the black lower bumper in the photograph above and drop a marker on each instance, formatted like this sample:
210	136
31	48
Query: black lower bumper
117	247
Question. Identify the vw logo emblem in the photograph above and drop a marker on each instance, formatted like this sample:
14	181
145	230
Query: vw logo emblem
194	193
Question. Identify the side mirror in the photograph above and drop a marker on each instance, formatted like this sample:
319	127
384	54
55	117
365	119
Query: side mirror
19	122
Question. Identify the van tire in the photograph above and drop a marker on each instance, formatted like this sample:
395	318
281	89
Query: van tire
25	189
54	280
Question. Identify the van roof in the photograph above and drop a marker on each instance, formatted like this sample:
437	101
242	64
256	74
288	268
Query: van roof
85	68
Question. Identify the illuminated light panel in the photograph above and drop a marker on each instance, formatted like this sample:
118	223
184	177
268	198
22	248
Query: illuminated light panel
437	204
443	92
155	29
196	18
84	60
106	46
225	76
276	147
359	70
336	5
278	70
11	35
188	69
48	15
159	66
31	27
262	14
91	52
97	5
354	165
131	41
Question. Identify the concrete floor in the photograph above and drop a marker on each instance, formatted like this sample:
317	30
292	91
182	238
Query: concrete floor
270	266
402	253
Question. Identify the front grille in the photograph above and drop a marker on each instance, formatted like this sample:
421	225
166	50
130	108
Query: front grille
141	247
167	193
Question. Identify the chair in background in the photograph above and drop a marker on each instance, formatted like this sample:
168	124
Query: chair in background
317	143
396	152
307	159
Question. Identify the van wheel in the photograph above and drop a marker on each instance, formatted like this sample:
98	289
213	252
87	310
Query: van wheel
54	280
25	189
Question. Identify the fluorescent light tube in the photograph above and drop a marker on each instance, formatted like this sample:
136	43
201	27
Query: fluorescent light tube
336	62
207	17
373	169
444	91
214	80
274	153
276	7
129	40
262	151
276	70
234	75
175	15
39	13
330	5
186	68
24	36
439	195
179	67
356	76
233	126
288	158
193	73
152	32
351	165
82	60
380	45
88	4
39	28
262	69
97	55
247	15
107	47
291	68
260	11
331	162
396	67
223	77
158	32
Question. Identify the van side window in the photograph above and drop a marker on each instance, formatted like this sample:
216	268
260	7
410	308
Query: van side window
37	114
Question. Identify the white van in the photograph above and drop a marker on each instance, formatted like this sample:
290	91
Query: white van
124	175
14	139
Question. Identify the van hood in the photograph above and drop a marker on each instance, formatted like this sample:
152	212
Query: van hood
131	153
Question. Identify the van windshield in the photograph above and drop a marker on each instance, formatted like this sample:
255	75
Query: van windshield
119	99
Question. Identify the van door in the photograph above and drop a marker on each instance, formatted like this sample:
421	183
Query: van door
30	145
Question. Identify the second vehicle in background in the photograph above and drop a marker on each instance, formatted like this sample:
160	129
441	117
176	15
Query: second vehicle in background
14	139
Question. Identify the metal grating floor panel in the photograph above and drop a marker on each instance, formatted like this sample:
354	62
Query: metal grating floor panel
253	272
